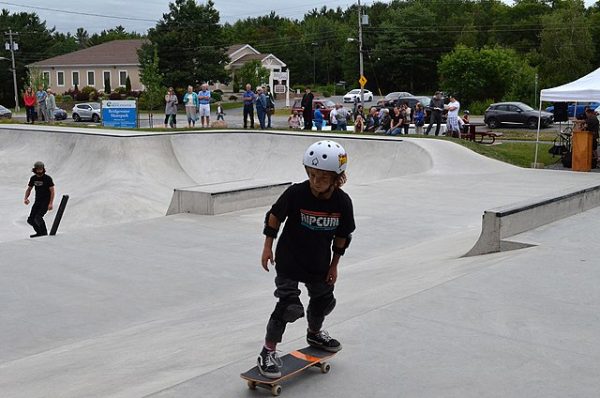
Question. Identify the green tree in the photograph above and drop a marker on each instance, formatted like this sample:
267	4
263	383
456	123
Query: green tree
566	48
473	74
35	42
128	84
254	73
117	33
190	44
152	79
107	88
82	37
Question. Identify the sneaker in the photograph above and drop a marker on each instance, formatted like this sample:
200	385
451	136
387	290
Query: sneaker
323	341
268	363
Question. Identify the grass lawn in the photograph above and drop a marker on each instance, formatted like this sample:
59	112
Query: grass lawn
520	154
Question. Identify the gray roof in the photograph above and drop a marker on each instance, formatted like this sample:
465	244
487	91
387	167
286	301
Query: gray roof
117	52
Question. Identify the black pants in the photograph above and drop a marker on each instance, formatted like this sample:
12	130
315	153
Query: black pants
249	112
30	112
171	120
320	304
36	217
307	114
436	117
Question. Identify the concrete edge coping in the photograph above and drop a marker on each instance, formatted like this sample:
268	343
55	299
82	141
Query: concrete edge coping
502	222
225	197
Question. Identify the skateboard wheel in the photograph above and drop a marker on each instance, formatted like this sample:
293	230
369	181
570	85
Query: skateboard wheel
325	367
251	385
276	390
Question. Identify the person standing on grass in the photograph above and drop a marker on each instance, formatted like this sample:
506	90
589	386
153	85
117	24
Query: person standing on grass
261	107
436	107
307	108
190	99
44	198
249	99
50	105
29	99
204	105
41	101
270	106
171	102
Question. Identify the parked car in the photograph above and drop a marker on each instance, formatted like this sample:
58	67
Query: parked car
350	95
87	111
580	109
325	104
60	114
5	113
515	113
391	98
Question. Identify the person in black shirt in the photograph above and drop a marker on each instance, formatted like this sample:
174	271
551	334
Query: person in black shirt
436	107
307	108
592	124
44	198
319	219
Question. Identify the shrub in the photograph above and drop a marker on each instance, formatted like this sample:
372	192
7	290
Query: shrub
218	91
326	94
233	98
114	96
120	90
479	107
131	98
216	96
87	93
66	98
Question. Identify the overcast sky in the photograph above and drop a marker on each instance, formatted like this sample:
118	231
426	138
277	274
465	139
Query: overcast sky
139	15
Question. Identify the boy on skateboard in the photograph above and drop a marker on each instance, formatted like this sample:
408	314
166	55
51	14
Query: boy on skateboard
44	198
320	220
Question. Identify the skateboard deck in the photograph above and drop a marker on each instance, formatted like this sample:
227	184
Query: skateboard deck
293	363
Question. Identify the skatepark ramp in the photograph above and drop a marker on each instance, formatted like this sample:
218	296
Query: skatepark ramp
503	222
114	177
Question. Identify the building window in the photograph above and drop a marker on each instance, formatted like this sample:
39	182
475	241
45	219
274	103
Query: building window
60	78
122	78
91	78
46	77
106	77
75	76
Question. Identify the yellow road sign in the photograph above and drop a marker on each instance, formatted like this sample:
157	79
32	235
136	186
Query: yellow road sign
362	81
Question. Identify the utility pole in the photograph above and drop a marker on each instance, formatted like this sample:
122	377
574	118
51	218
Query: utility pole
12	46
360	54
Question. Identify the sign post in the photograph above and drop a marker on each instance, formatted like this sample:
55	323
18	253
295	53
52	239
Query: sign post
119	114
281	77
362	81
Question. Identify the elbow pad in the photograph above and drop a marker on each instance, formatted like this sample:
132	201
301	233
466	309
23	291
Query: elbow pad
341	250
268	230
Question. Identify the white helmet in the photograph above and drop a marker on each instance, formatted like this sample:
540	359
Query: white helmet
326	155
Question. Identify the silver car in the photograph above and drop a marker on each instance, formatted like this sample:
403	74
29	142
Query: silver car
87	111
5	113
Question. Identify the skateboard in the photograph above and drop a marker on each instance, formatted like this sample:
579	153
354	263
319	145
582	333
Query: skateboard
293	363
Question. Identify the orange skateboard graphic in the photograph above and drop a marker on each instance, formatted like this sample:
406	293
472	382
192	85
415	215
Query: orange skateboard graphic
293	363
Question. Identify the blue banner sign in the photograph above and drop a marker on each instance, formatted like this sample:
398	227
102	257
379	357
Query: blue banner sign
120	114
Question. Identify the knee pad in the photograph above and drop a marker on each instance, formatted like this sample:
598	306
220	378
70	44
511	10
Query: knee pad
322	306
288	310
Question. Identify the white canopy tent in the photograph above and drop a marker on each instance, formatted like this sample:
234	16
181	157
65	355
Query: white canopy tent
586	88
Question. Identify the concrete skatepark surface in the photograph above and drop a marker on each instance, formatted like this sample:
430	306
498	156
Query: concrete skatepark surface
126	302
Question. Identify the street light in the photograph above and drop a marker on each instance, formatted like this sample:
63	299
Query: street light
314	46
14	82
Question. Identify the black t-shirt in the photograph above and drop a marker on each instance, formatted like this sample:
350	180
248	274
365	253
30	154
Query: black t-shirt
304	249
42	186
592	125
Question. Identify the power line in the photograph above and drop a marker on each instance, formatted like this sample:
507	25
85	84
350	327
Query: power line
87	14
